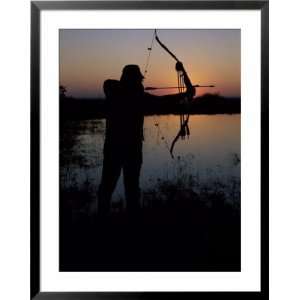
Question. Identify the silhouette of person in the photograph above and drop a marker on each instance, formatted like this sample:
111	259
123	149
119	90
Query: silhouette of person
126	102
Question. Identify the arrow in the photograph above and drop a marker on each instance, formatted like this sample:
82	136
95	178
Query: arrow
150	88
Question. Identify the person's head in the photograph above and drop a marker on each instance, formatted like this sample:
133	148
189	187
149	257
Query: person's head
131	74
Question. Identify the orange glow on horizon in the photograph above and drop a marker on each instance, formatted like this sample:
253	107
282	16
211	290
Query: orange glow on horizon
89	57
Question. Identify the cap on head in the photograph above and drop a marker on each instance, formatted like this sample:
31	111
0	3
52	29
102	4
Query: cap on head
131	72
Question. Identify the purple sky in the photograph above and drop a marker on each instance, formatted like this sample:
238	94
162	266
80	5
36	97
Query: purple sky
90	56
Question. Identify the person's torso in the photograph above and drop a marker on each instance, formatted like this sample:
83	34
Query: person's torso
125	116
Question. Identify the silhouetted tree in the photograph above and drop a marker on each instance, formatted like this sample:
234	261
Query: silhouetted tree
62	92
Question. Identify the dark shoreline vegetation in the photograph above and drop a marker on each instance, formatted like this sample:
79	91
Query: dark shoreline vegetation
184	225
73	108
176	230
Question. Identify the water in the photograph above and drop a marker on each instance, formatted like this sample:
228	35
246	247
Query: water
210	155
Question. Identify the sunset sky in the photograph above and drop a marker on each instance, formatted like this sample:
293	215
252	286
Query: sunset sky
89	57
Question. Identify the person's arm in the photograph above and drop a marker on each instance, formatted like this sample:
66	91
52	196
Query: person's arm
165	99
179	97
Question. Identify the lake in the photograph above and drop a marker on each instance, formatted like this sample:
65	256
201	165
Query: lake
210	156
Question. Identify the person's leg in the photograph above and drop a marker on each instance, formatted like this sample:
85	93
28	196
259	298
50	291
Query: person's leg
110	175
131	174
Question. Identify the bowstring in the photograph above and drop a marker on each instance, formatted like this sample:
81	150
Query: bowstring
184	131
149	54
156	122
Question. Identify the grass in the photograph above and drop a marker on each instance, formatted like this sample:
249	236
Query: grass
181	186
186	224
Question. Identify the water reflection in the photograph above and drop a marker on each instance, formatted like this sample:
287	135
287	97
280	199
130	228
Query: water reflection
211	154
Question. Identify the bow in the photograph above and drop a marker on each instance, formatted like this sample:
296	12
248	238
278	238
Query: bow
183	83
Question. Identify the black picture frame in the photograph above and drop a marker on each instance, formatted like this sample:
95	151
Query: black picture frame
36	8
